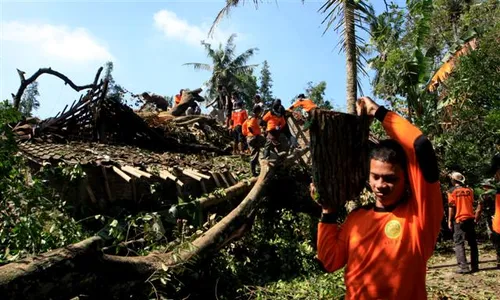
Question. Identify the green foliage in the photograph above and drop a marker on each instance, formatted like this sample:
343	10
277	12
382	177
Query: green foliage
317	94
317	286
33	218
471	110
29	101
266	84
248	87
115	91
226	66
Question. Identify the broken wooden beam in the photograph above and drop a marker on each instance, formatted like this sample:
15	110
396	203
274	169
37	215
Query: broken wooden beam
198	173
121	174
192	175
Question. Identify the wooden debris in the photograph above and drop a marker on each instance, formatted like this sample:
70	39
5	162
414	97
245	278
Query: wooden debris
216	179
121	174
192	175
339	150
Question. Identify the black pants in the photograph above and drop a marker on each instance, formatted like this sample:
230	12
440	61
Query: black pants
465	231
495	239
255	143
272	141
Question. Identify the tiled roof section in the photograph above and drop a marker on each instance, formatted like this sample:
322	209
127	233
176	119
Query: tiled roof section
104	154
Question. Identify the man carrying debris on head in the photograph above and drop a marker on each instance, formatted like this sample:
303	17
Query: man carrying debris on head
178	97
251	129
275	124
385	246
492	191
462	219
238	117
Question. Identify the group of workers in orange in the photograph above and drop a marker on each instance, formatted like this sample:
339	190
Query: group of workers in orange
271	123
385	246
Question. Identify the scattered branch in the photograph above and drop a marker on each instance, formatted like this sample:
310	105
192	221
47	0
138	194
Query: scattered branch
26	82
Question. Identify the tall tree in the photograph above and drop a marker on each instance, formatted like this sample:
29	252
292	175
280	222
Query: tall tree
248	88
115	91
226	66
29	101
347	15
317	94
266	84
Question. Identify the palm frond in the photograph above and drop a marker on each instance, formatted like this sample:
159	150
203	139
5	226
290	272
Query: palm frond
199	66
243	58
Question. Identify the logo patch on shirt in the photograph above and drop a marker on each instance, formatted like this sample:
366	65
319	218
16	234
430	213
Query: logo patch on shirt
393	229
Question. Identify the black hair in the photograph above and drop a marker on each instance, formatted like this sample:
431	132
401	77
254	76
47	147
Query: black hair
257	109
257	96
301	96
389	151
180	92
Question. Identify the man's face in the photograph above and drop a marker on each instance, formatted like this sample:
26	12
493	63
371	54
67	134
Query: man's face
387	181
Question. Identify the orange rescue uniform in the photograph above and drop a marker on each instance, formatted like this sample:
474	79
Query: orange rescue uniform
252	123
305	104
385	251
177	99
273	121
462	199
238	117
496	217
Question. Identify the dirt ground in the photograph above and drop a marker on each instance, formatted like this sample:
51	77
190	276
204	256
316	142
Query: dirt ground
443	283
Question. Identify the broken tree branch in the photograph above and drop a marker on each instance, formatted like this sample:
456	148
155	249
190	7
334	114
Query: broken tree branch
26	82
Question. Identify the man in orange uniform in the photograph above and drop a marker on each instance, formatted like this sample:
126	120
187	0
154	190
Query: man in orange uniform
462	219
275	123
385	246
178	97
251	129
306	104
238	116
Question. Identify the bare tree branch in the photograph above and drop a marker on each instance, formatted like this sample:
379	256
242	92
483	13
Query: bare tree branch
25	82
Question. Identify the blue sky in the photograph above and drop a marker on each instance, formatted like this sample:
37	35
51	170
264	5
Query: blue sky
150	41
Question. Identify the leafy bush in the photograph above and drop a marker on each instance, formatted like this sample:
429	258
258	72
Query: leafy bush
33	218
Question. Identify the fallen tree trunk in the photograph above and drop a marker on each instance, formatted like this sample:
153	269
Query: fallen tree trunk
82	267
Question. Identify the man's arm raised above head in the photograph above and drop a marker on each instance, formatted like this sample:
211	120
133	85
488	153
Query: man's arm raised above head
422	169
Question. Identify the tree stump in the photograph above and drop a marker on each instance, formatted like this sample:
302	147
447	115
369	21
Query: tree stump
340	150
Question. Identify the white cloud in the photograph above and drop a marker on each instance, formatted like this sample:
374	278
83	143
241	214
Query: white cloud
75	44
176	28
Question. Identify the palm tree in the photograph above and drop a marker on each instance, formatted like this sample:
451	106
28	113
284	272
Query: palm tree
226	66
347	15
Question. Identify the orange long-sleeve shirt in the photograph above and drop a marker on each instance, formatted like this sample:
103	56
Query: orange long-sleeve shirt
305	104
238	117
462	199
273	121
385	252
252	123
496	217
177	99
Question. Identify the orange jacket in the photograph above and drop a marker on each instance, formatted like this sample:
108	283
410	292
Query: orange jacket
462	199
305	104
273	122
496	217
177	99
238	117
385	252
252	123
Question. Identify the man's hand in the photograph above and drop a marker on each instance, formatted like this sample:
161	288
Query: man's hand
366	104
450	225
315	196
